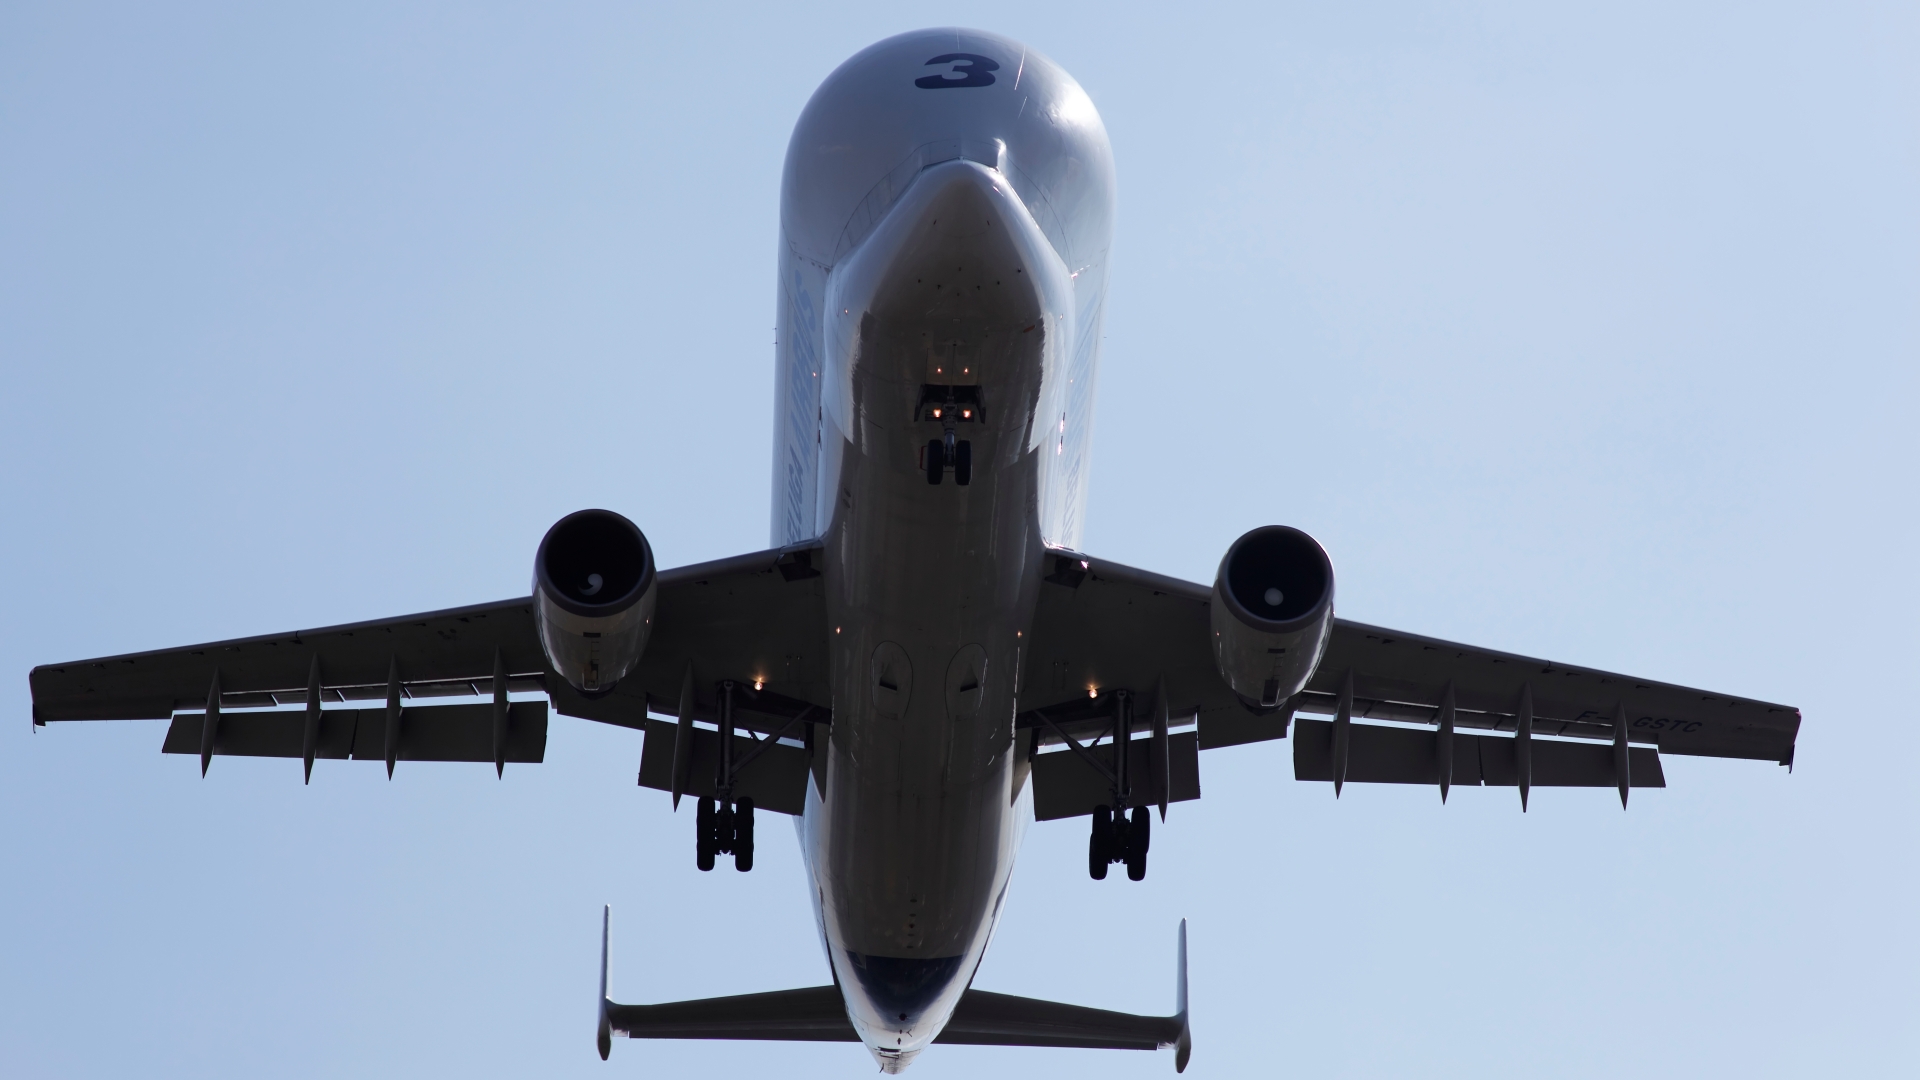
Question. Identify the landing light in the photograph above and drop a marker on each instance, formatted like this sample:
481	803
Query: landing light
1093	691
758	683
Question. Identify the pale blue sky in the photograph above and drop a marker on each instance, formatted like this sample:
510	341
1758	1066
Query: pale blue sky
1584	334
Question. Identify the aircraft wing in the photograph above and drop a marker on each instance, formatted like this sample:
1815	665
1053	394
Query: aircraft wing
1100	626
819	1014
758	619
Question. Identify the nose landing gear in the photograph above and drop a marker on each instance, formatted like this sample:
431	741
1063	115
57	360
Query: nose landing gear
950	451
950	405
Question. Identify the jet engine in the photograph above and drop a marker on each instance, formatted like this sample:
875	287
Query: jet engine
1272	613
593	591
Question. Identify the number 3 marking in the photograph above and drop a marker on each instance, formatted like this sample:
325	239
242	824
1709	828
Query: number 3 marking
973	70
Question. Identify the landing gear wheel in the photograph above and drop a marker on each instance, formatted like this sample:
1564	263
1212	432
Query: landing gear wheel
743	836
723	828
1139	835
963	463
703	835
936	460
1100	844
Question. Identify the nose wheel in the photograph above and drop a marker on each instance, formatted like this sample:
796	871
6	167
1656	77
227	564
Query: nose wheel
1116	839
950	451
724	829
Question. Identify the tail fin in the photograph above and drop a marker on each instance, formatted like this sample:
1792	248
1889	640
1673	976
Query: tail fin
606	1028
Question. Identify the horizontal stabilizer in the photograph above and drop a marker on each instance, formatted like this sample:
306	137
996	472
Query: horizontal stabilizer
983	1018
988	1019
815	1014
818	1014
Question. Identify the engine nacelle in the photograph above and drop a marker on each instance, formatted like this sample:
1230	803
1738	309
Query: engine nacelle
593	592
1272	614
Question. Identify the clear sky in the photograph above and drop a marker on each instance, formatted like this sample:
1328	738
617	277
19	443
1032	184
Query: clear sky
1584	334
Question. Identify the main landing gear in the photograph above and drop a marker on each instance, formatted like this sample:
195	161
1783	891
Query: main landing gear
1119	837
723	826
1116	839
727	829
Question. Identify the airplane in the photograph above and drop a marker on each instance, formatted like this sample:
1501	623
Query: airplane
924	661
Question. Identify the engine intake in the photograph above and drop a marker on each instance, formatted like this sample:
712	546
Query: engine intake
594	590
1272	614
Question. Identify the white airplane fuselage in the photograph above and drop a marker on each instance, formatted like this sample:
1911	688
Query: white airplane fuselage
946	211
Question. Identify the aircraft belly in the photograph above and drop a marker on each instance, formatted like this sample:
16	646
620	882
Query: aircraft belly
930	588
